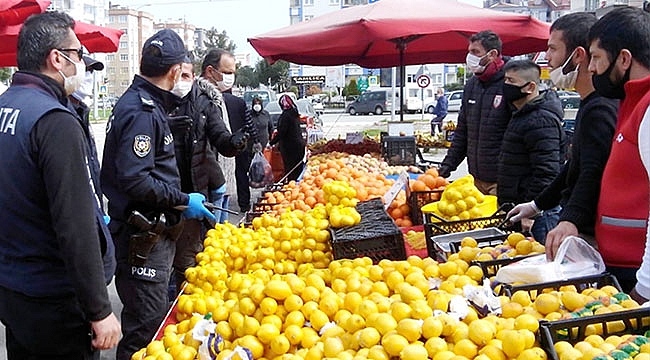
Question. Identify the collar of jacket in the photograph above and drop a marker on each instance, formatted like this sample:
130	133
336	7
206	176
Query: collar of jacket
168	100
44	82
211	91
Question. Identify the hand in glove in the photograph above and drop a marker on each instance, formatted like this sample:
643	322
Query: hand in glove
239	140
196	209
107	219
523	211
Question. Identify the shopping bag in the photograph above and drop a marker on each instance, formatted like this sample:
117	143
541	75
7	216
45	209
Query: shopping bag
575	258
260	172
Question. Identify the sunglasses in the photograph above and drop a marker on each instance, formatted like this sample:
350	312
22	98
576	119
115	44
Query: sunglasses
80	52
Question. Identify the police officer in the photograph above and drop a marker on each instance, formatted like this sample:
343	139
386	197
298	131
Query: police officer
52	285
141	181
78	105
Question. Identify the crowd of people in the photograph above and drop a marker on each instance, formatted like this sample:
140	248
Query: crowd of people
175	140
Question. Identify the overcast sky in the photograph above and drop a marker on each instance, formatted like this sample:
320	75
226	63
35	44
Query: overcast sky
240	19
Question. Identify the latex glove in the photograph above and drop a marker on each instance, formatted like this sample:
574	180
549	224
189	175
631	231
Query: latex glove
195	208
257	147
555	237
444	171
107	219
239	140
523	211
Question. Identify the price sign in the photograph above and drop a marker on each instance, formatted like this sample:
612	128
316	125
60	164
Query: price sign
401	183
353	138
423	80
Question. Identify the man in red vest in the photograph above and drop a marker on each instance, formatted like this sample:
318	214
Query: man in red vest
620	64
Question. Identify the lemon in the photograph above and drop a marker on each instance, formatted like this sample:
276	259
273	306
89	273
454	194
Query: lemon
524	247
318	319
383	322
532	354
277	289
562	346
369	337
411	329
294	318
394	344
571	354
354	322
468	241
513	344
444	355
378	352
481	332
546	303
435	345
492	352
155	347
573	301
309	337
526	321
268	305
332	347
514	238
448	268
253	344
431	327
466	348
511	309
280	344
267	332
292	303
413	352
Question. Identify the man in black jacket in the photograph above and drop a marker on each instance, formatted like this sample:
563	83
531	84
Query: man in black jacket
198	128
533	145
577	187
53	297
483	115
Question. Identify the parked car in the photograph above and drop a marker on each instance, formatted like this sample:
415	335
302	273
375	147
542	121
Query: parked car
430	105
455	99
371	102
318	106
570	99
267	96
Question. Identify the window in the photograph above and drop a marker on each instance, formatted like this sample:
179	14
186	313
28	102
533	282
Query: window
413	92
308	2
125	31
437	78
110	57
410	78
124	83
89	9
308	17
124	45
111	70
124	70
121	19
124	57
294	3
111	19
335	2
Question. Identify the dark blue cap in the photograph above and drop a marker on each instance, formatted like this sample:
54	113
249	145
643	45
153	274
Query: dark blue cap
171	46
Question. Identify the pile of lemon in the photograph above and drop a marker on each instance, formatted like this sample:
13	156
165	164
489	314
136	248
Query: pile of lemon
633	347
516	244
341	202
459	200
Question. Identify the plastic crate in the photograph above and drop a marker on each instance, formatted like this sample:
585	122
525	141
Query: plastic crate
581	283
262	207
417	199
634	321
399	150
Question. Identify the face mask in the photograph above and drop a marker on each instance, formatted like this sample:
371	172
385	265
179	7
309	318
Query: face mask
513	92
86	88
227	82
606	87
474	63
182	88
257	107
562	79
72	83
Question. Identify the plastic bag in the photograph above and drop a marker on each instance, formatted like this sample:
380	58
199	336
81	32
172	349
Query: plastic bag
260	172
575	258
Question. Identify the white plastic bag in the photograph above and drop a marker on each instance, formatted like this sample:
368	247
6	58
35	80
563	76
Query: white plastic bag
260	172
575	258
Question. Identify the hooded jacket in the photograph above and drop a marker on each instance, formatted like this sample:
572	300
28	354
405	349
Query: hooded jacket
533	149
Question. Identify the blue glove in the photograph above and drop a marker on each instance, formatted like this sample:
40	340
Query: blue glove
195	208
107	219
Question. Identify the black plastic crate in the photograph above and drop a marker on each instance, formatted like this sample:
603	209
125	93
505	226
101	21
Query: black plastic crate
581	283
573	330
262	207
417	199
399	150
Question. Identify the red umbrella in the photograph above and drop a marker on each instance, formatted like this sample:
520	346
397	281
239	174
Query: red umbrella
94	38
397	33
13	12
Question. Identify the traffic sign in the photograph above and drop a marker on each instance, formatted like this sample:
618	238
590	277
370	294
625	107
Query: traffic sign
423	80
362	83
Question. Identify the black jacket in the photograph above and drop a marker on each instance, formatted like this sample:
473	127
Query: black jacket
482	120
532	149
578	186
289	133
195	159
264	126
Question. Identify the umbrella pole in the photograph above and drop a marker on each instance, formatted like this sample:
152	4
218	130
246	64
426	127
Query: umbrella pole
401	45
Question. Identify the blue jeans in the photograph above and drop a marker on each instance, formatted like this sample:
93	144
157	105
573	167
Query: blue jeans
219	198
544	223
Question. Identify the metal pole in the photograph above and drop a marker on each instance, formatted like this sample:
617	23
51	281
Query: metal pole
392	93
401	45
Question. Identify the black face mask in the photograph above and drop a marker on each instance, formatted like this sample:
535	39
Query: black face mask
606	87
513	92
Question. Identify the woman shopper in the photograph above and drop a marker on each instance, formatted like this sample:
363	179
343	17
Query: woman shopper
289	138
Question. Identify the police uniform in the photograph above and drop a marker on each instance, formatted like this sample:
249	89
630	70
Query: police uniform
47	305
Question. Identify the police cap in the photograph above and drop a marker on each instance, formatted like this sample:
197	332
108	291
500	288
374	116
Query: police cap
171	46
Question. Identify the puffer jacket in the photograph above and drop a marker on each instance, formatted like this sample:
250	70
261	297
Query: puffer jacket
482	120
195	159
533	149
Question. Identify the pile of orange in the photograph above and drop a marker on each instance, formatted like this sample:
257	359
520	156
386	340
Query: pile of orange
429	181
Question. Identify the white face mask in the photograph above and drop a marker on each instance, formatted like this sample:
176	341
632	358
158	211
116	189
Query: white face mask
565	80
182	88
227	82
72	83
474	63
86	88
257	107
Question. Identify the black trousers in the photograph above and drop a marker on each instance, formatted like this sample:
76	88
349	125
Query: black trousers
142	290
45	328
292	157
242	164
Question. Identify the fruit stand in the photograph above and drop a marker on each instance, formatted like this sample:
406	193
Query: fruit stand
325	268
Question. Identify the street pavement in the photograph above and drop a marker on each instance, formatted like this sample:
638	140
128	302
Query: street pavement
335	124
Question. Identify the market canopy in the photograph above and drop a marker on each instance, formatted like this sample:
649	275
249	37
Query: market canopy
14	12
94	38
428	31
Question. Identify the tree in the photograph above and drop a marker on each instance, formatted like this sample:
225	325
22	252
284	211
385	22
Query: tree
276	76
213	40
351	89
246	77
5	74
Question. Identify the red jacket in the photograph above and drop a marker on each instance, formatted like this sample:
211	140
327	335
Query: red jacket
624	199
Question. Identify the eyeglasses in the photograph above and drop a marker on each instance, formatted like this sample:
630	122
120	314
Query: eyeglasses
80	52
